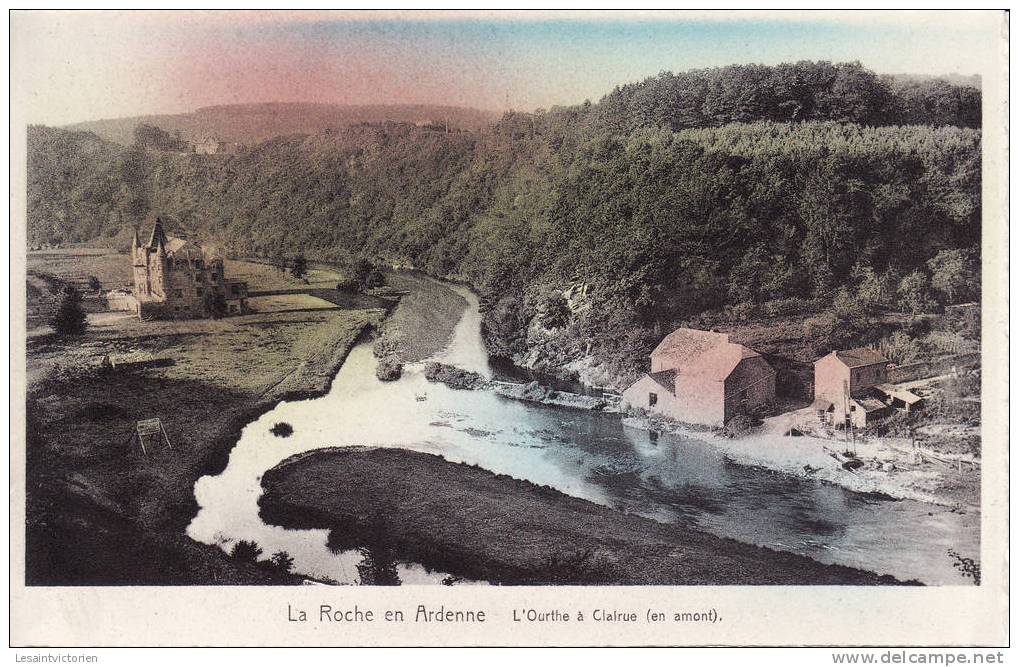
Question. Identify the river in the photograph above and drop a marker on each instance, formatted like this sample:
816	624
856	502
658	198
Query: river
584	454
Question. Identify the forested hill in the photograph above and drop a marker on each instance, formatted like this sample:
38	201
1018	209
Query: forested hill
252	123
660	225
803	91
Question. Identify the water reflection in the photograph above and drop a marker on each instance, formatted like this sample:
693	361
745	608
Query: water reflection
584	454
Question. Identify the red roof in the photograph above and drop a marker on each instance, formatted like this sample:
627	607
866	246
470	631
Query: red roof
697	352
860	356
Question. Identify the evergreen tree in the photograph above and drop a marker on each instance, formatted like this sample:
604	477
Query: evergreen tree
69	320
299	268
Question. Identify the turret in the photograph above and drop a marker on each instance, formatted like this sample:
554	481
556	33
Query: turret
158	240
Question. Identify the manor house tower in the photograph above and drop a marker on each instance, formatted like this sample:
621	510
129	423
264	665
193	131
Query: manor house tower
176	278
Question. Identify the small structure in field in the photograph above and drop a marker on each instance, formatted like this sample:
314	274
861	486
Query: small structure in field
147	431
176	278
851	388
699	377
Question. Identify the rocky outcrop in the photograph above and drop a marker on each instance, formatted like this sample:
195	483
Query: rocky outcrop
453	377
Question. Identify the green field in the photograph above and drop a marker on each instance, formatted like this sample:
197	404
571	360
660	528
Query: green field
98	510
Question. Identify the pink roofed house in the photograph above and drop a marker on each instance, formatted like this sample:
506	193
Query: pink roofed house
854	384
699	377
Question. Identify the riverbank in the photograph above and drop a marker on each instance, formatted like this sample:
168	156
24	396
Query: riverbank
423	321
809	457
472	523
99	511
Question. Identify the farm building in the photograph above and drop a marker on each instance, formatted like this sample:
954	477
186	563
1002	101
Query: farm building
176	278
699	377
852	385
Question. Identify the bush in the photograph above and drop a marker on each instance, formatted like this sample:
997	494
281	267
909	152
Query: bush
741	312
215	305
378	566
299	267
247	551
366	275
388	369
915	294
900	348
553	311
94	284
70	320
453	377
739	426
791	306
282	562
384	347
282	430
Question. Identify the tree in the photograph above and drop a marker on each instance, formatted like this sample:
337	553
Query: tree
70	320
378	566
299	267
94	284
215	305
150	136
953	275
282	561
246	550
914	293
366	274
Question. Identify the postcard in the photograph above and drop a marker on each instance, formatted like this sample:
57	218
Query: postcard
481	328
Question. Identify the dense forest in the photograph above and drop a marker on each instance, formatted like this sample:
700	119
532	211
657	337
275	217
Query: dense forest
744	190
252	123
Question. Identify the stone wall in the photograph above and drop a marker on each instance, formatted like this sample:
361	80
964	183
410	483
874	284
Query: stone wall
932	368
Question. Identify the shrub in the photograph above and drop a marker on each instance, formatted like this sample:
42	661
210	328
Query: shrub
915	294
94	284
900	348
247	551
70	320
299	267
366	275
384	347
739	426
282	561
388	369
741	312
790	306
954	275
553	311
378	566
215	305
282	430
968	567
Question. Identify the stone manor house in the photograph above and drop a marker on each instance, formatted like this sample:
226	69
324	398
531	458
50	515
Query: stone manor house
176	278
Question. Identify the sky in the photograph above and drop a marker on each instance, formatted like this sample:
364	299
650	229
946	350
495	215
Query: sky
75	66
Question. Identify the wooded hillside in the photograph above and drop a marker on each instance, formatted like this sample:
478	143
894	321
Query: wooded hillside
663	214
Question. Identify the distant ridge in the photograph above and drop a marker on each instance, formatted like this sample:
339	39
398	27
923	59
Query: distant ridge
252	123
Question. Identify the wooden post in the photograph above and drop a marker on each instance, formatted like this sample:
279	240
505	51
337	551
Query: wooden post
165	436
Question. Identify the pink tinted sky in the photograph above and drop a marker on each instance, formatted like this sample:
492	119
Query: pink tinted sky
75	66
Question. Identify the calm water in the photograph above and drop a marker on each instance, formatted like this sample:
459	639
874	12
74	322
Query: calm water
584	454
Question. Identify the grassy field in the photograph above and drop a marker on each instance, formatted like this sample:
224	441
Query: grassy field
99	511
472	523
